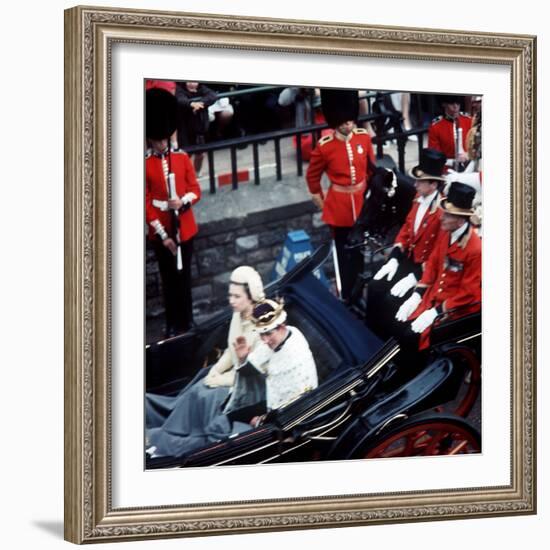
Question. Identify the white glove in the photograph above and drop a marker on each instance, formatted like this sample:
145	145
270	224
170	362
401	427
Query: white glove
424	320
400	288
388	269
408	307
151	451
469	178
188	197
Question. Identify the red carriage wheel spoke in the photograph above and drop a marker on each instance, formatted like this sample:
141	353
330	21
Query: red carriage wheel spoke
471	381
459	447
432	448
427	436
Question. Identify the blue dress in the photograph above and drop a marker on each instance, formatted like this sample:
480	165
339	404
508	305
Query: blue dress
192	419
197	416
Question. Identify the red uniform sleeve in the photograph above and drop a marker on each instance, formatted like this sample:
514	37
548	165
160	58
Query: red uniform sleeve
191	183
434	141
150	210
466	125
317	166
404	237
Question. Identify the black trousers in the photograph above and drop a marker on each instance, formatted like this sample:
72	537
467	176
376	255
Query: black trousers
350	262
176	285
381	305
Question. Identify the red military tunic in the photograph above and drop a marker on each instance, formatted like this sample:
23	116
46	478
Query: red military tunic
346	165
452	276
441	134
157	192
418	246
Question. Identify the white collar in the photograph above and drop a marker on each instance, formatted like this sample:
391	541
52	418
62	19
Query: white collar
342	137
428	199
457	233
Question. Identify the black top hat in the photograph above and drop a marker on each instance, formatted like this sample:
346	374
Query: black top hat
431	165
161	109
450	98
459	199
339	106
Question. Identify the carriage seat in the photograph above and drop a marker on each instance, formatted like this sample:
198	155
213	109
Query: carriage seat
327	359
452	330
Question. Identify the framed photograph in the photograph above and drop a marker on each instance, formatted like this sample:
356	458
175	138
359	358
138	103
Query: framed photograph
301	462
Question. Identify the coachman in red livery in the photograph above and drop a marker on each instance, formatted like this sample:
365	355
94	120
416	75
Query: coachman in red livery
412	246
451	282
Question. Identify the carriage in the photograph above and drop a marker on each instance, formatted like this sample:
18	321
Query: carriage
373	399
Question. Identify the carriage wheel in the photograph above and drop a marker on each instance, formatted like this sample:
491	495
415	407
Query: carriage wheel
470	380
425	435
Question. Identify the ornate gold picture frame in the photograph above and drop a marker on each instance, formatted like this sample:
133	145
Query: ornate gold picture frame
90	512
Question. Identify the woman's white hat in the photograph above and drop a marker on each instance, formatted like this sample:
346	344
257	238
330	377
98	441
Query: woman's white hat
251	280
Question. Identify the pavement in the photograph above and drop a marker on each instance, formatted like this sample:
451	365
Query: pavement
227	203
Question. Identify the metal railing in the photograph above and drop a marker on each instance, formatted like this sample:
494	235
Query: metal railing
389	120
257	89
276	136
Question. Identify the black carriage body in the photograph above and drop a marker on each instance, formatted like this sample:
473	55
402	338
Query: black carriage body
357	396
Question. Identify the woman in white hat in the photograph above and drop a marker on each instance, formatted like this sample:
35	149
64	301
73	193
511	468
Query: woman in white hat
178	424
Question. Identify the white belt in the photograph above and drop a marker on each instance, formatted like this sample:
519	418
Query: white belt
161	205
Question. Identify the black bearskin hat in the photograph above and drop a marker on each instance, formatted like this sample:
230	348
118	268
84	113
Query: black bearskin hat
339	106
161	109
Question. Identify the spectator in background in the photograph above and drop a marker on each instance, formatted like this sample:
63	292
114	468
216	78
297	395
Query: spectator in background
302	99
259	111
365	109
307	111
220	116
402	102
193	121
224	113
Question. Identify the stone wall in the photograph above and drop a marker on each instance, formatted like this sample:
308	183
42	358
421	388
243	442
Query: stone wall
253	239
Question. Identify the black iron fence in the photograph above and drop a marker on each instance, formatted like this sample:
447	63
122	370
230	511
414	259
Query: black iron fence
388	125
234	144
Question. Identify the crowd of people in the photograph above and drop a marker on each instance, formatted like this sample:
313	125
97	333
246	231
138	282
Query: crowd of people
433	268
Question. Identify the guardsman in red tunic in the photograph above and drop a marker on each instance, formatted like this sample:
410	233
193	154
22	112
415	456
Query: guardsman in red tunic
171	188
448	133
452	275
344	156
